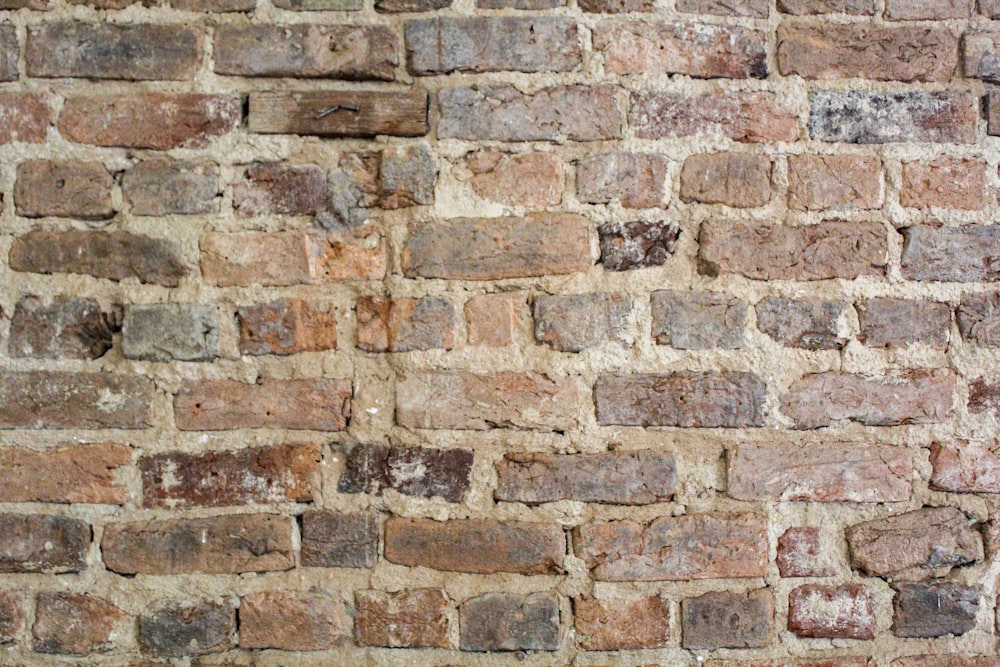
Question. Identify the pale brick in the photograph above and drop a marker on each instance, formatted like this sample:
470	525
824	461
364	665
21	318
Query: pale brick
837	182
492	320
622	623
746	117
293	621
965	467
861	117
415	618
532	179
969	253
414	471
831	612
697	320
636	180
159	187
580	321
802	552
944	183
404	324
170	332
810	324
892	323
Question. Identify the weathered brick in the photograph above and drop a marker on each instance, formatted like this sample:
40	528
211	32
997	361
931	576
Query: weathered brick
925	541
928	10
831	612
9	52
992	102
306	50
616	6
403	324
633	477
946	660
697	320
230	543
531	179
201	629
944	183
636	245
66	400
891	323
353	188
519	4
469	401
479	546
762	251
801	7
492	43
66	328
292	621
407	175
27	117
170	332
41	543
984	396
811	324
76	624
745	117
580	321
396	6
845	661
862	473
740	180
510	622
838	182
12	616
183	120
694	546
753	8
622	623
989	8
636	180
970	253
414	471
934	610
287	327
980	56
965	467
63	189
860	117
41	5
335	539
492	319
725	619
78	473
159	187
400	113
219	5
415	618
275	188
801	553
685	399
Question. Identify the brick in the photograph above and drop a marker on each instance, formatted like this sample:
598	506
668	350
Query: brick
65	328
477	546
686	399
980	51
274	474
27	116
802	7
831	612
848	661
184	120
493	319
989	8
923	542
984	397
810	324
292	621
633	477
746	117
693	546
893	323
413	471
950	660
502	113
77	473
76	624
801	553
9	52
862	473
317	5
961	254
287	326
965	467
469	401
622	623
134	52
353	188
275	188
491	44
725	619
66	189
41	543
992	102
531	179
407	176
753	8
415	618
616	6
636	180
12	616
509	622
928	10
170	332
317	404
306	50
335	539
66	400
837	182
232	543
519	4
182	631
740	180
860	117
217	5
404	324
944	183
394	113
158	187
576	322
398	6
934	610
697	320
821	251
636	245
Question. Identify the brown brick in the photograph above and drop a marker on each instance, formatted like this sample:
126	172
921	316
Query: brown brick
317	5
519	4
928	10
810	324
800	7
831	612
414	471
984	397
317	404
725	619
181	631
492	319
183	120
745	117
980	53
9	51
232	543
934	610
622	623
633	477
12	616
41	543
292	621
862	473
407	175
944	183
925	541
27	117
847	661
469	401
801	553
838	182
301	50
753	8
403	324
218	5
861	117
78	473
395	113
287	327
334	539
685	399
397	6
700	50
580	321
509	622
67	189
960	254
947	660
697	320
414	618
478	546
532	179
159	187
616	6
275	188
66	328
965	467
761	251
65	400
694	546
41	5
636	180
740	180
170	332
76	624
900	322
636	245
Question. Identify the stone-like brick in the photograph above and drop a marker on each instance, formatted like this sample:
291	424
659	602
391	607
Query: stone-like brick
78	473
182	631
637	180
862	473
64	400
397	6
740	180
928	10
900	322
965	467
969	253
286	327
637	477
914	544
353	188
844	661
989	8
919	396
510	622
616	6
468	401
622	623
135	52
232	543
700	50
745	117
838	182
502	113
76	624
27	115
801	7
946	660
934	610
944	183
531	179
9	52
636	245
831	612
317	404
980	56
697	320
40	543
724	619
762	251
274	188
335	539
404	324
63	189
519	4
414	618
478	546
305	50
12	616
170	332
685	399
753	8
66	328
308	5
694	546
801	553
984	397
159	187
580	321
492	43
861	117
811	324
407	175
414	471
293	621
492	319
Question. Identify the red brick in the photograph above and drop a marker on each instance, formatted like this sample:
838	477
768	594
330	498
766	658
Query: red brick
27	117
838	182
934	609
76	624
335	539
697	320
79	473
740	180
801	553
510	622
63	189
984	397
928	10
532	179
403	324
622	623
831	612
637	244
949	660
12	616
724	619
636	180
965	467
753	8
65	400
171	187
415	618
894	323
861	117
292	621
287	327
811	324
959	254
66	328
746	117
414	471
492	320
580	321
944	183
41	543
849	661
182	631
275	188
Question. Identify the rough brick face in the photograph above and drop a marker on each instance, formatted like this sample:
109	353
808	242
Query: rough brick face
727	620
205	628
293	621
928	10
838	182
415	471
944	184
63	400
636	245
636	180
800	553
287	327
505	622
42	543
811	324
876	118
166	187
492	320
334	539
961	254
28	117
575	323
407	619
72	189
901	322
697	320
965	467
75	624
532	179
270	189
979	319
170	332
934	610
12	617
64	329
405	324
831	612
622	623
746	117
734	179
79	473
754	8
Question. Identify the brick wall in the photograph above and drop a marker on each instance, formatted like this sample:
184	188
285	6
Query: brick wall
499	332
